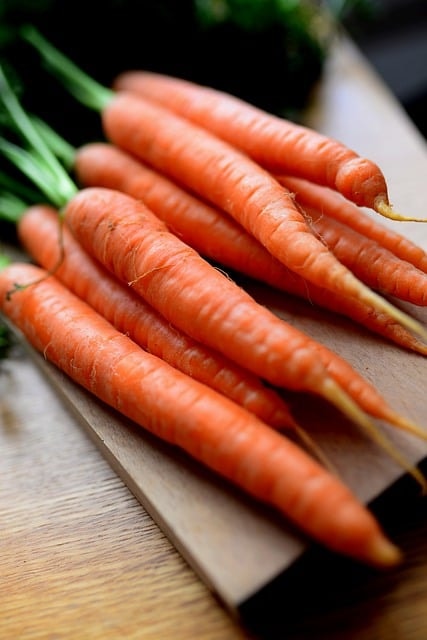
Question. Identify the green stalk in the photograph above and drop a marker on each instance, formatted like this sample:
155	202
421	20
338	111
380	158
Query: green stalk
39	173
4	261
64	151
39	163
84	88
41	154
11	209
18	188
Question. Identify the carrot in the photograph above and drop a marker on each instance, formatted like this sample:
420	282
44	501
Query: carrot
38	234
215	235
189	415
217	171
277	144
125	236
334	206
372	264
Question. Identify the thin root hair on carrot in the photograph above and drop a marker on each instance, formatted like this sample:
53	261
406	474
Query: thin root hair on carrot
21	286
148	273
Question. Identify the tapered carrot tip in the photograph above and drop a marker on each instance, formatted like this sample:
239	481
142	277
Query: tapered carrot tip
382	553
405	424
385	209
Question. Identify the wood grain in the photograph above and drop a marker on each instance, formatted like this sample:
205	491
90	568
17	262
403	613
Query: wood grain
81	558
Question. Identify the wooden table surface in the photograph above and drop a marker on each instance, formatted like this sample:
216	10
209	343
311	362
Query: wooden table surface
80	557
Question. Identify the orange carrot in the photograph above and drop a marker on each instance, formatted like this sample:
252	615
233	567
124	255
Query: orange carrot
189	415
334	206
38	234
220	173
372	264
277	144
217	236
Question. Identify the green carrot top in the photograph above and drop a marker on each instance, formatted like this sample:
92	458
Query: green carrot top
37	161
84	88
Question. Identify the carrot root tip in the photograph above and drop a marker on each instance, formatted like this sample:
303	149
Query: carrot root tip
385	209
407	425
383	553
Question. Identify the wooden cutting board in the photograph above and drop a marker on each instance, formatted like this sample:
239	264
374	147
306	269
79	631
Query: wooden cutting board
244	552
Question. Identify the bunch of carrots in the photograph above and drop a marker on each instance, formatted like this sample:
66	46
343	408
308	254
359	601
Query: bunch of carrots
125	299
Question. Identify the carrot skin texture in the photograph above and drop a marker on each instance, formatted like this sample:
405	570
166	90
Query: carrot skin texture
276	143
38	233
208	230
218	237
179	410
313	196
